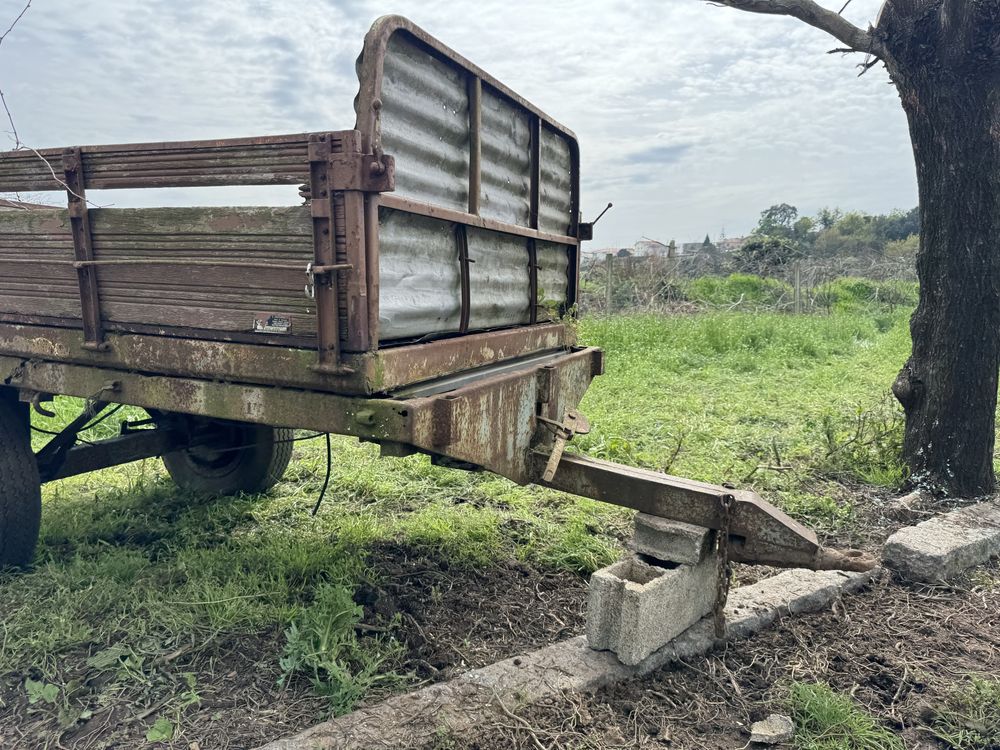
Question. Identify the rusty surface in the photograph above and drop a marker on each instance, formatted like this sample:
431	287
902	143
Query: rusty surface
489	422
449	214
323	286
372	419
758	532
373	372
83	250
493	423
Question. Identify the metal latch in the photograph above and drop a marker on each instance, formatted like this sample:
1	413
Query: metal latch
585	231
574	423
312	271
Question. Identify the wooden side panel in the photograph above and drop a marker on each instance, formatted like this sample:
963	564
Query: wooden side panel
37	277
205	268
268	160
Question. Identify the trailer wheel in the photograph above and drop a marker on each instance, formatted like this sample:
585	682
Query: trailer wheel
20	490
239	457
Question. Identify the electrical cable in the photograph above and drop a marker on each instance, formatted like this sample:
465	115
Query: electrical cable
326	480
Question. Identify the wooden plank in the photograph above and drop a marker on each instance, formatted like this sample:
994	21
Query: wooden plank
240	221
269	160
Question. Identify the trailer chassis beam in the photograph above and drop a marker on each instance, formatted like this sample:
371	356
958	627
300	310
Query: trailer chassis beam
759	533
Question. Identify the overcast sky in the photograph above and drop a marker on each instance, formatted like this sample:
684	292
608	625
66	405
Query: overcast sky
691	118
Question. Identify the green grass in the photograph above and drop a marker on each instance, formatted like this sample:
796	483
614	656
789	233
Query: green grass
970	716
784	404
827	720
790	406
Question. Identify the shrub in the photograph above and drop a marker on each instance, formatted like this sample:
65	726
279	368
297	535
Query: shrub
739	289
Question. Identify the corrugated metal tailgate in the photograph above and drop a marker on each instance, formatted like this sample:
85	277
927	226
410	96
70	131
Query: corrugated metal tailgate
480	176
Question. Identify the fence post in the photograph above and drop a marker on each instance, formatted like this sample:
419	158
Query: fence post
798	287
607	292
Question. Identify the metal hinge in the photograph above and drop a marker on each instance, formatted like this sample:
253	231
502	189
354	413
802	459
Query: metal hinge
364	172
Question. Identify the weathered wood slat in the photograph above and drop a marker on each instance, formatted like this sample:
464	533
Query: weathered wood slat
187	222
191	317
271	160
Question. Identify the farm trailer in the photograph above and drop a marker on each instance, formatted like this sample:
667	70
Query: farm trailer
417	300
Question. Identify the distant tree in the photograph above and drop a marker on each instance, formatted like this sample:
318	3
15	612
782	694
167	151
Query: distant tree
777	221
708	260
898	225
827	217
943	56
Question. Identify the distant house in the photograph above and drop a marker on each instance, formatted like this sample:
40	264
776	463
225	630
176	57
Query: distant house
730	244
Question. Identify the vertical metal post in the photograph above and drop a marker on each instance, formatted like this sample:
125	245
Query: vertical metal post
462	238
534	198
536	171
324	254
83	250
533	281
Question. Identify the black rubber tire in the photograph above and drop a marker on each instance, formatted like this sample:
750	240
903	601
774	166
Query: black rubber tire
226	468
20	490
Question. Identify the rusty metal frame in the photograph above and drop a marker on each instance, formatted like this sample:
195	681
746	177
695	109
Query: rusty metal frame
355	176
252	362
448	425
325	254
83	250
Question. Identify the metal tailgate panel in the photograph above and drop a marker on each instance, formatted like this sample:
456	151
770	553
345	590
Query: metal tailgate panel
420	287
474	157
506	161
425	126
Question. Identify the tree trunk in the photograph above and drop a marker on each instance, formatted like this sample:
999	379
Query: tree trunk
943	62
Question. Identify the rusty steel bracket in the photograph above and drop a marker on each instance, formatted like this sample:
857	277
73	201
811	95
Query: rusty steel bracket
366	173
574	423
758	532
83	250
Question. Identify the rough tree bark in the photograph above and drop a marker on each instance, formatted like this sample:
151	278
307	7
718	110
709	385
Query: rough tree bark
942	56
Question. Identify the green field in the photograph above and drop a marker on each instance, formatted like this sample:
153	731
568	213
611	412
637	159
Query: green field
130	570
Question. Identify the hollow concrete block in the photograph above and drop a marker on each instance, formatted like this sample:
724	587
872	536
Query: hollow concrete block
635	607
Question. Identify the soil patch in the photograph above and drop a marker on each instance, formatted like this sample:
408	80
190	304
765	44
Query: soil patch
895	649
448	619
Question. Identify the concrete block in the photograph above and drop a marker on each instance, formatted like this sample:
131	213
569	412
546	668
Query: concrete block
672	541
634	608
943	547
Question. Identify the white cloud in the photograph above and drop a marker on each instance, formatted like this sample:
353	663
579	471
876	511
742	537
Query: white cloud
691	117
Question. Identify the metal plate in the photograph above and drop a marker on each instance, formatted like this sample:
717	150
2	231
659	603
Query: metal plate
498	280
420	286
